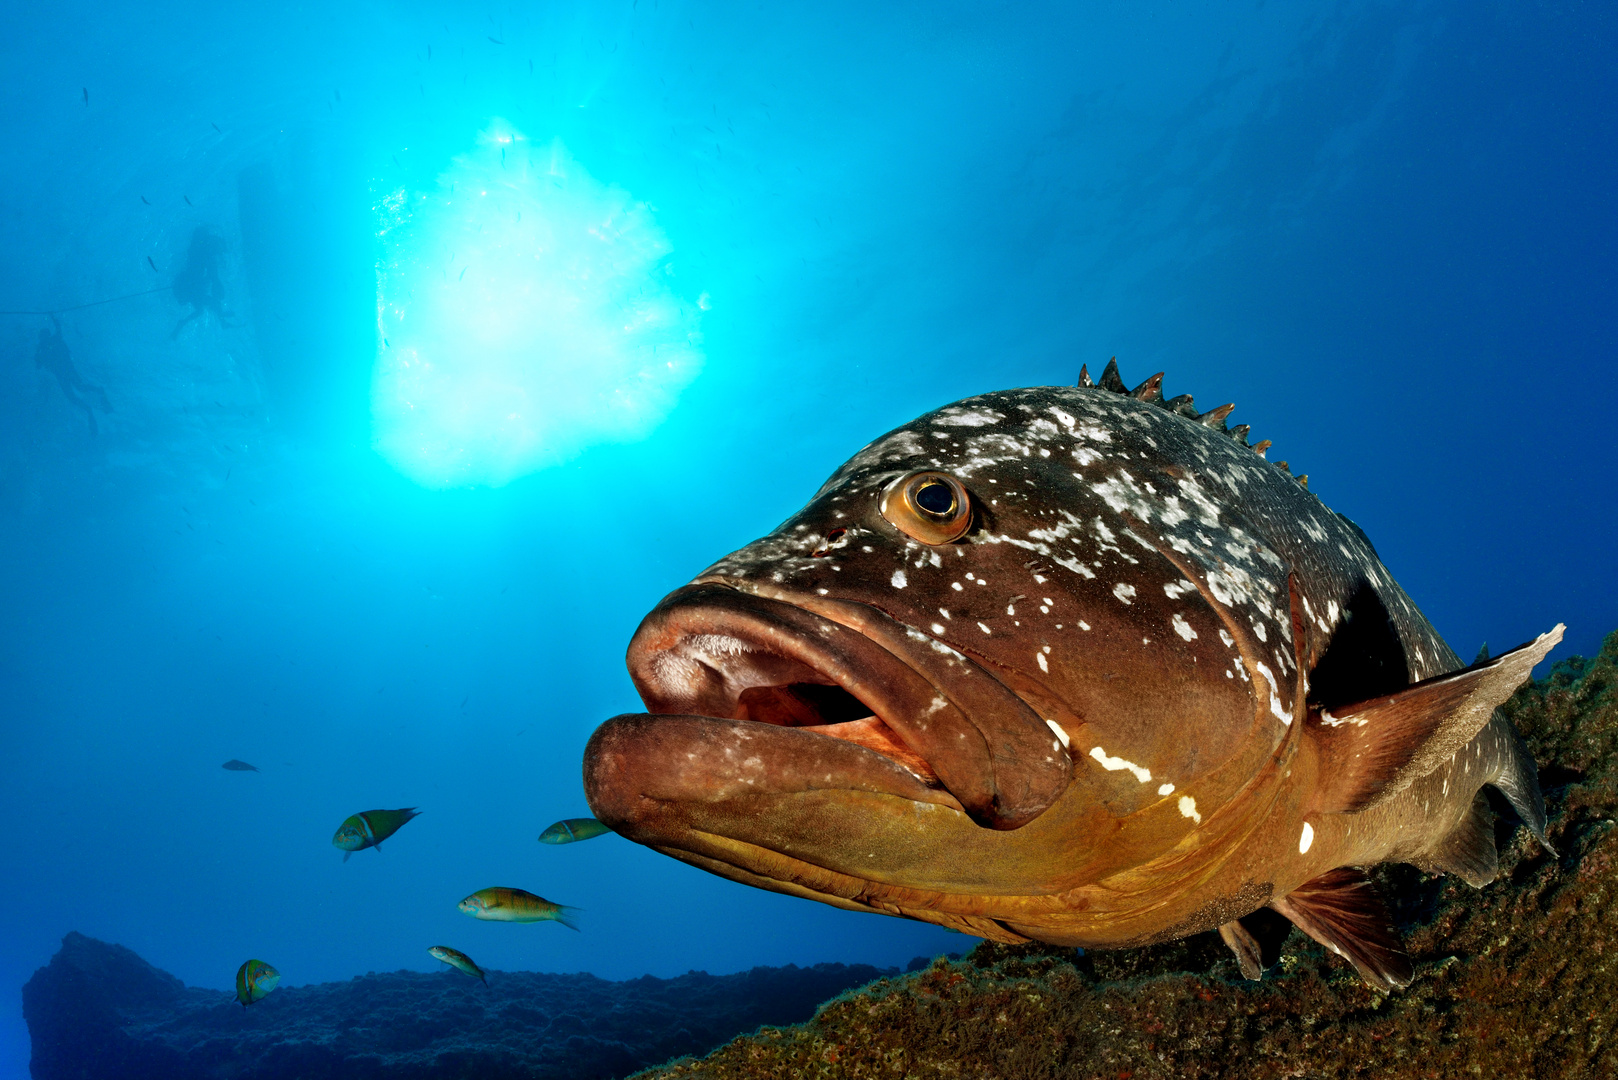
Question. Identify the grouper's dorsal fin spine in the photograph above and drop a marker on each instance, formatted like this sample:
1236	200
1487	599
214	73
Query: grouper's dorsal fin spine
1111	380
1377	748
1151	392
1340	909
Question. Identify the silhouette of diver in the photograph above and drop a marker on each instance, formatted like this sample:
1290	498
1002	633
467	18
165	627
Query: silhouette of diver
52	355
198	283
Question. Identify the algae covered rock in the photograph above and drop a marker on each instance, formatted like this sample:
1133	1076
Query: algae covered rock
1516	979
99	1012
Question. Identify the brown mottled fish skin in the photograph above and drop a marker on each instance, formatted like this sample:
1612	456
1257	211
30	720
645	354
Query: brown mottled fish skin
1145	694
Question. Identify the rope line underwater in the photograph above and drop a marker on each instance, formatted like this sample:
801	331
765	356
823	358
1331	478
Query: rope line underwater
93	303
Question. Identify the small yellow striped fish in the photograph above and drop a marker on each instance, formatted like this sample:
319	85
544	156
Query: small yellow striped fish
255	979
458	960
500	904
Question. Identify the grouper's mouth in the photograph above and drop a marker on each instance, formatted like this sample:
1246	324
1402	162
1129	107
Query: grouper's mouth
753	698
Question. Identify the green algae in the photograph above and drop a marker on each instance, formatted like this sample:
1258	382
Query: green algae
1515	980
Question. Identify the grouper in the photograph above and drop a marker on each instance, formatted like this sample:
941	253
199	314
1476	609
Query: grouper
1068	664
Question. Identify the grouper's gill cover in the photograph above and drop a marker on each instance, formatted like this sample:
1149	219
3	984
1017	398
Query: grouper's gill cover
1072	664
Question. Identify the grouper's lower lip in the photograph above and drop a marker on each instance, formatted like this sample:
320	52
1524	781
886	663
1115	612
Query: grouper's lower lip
755	695
636	763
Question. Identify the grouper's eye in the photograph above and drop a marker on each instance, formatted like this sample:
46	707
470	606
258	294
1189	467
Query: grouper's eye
931	507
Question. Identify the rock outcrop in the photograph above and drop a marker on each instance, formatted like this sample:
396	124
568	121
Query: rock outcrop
99	1012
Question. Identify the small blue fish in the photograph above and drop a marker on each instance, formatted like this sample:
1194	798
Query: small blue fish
369	828
458	960
572	830
254	980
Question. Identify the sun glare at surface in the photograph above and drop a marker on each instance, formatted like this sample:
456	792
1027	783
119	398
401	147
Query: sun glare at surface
525	311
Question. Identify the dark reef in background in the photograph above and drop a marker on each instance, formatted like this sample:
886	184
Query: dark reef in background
1519	979
99	1011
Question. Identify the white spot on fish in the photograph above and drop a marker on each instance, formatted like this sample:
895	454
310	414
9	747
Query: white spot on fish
1332	721
967	418
899	581
985	629
1060	733
1113	764
938	628
1176	589
1124	592
1043	666
1083	625
1276	707
1188	808
1224	635
956	585
1182	627
1166	789
1306	839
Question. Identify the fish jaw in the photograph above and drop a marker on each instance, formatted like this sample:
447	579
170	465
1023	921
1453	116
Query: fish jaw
788	805
712	650
892	794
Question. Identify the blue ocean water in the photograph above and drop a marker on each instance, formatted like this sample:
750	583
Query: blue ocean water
381	514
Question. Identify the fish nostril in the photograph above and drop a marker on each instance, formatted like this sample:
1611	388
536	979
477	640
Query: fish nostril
834	540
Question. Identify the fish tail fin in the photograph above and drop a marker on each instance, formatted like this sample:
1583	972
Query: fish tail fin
568	916
1467	851
1518	781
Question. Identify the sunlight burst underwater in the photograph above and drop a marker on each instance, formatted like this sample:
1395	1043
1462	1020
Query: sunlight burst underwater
525	311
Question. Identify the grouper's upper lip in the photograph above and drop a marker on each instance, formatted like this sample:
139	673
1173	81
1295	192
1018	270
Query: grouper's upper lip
713	650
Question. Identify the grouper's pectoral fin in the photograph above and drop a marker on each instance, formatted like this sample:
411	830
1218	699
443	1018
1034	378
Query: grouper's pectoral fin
1340	909
1376	748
